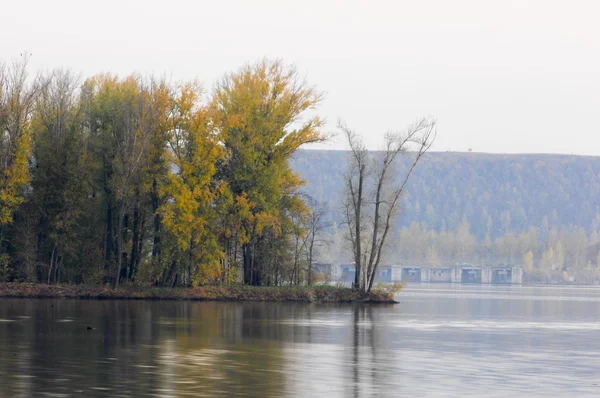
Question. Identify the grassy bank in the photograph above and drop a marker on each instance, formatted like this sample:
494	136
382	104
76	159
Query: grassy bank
318	294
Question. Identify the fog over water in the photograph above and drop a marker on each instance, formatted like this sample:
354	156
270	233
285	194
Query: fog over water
441	340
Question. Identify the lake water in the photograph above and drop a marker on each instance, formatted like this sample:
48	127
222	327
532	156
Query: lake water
442	340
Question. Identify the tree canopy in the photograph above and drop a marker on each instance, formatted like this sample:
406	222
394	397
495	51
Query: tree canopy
123	179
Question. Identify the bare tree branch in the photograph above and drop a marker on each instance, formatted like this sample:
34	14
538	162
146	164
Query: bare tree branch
368	217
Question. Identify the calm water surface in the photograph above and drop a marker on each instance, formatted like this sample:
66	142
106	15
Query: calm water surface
442	340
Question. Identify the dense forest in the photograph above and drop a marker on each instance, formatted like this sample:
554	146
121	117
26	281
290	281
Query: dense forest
539	211
122	179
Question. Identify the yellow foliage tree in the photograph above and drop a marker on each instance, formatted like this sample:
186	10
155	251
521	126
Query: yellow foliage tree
17	100
262	121
190	214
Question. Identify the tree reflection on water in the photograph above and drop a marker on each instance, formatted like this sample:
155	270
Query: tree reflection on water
439	340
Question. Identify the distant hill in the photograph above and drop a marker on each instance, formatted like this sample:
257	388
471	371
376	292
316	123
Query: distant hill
495	193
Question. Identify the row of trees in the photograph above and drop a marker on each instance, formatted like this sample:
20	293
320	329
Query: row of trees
566	247
136	178
567	254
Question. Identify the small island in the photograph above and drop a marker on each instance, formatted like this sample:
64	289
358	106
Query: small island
302	294
139	188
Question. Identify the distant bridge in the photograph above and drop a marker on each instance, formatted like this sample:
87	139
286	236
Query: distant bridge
450	274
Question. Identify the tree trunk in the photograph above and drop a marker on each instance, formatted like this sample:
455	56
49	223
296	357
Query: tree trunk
357	226
376	220
190	262
135	241
119	244
155	205
252	274
51	262
296	265
140	250
248	271
310	256
108	247
57	270
172	274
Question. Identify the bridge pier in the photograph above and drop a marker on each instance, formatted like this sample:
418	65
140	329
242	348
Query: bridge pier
456	275
396	273
517	275
486	275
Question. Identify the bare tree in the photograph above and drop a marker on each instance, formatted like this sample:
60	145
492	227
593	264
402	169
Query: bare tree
298	233
354	202
373	191
316	223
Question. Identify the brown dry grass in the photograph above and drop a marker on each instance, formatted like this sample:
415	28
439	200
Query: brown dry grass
321	294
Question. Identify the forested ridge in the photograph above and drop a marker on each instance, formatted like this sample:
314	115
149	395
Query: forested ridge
537	210
495	193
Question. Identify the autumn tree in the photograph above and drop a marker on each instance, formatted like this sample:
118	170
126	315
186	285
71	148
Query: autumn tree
373	191
192	214
264	117
17	100
61	177
143	216
156	167
120	118
236	212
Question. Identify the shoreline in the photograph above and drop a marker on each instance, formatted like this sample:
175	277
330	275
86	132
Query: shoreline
241	293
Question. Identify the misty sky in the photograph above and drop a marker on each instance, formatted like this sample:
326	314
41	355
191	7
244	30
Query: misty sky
500	76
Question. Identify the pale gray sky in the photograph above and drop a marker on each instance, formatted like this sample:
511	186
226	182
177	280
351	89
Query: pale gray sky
500	76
